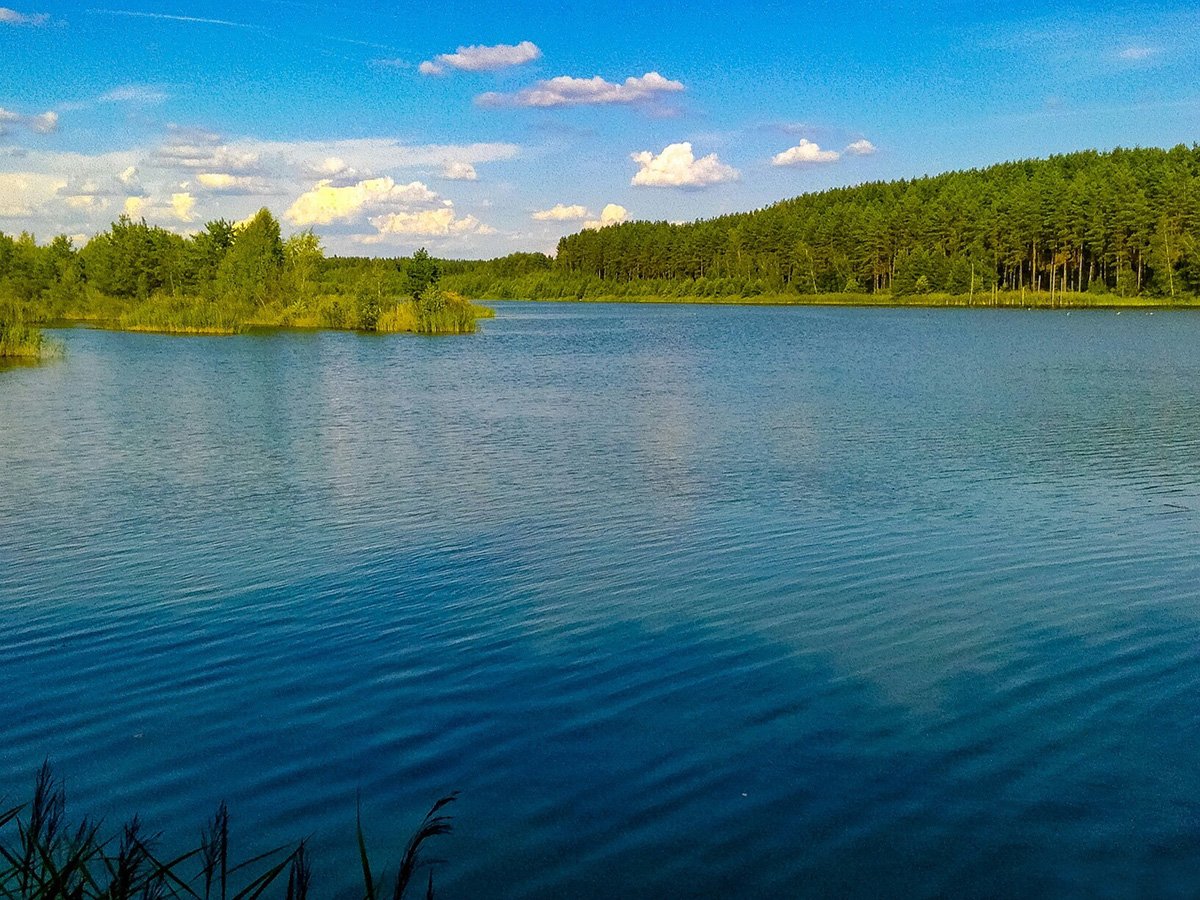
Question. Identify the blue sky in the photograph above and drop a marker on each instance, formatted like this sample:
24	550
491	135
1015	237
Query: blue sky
479	129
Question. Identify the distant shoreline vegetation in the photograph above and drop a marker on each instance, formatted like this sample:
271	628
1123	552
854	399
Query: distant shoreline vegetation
224	279
1081	230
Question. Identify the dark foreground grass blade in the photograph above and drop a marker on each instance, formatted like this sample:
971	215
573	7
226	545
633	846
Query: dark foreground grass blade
433	826
368	881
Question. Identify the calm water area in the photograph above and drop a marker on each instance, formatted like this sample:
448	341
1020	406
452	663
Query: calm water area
686	601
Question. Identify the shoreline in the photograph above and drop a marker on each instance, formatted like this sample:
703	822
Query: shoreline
934	301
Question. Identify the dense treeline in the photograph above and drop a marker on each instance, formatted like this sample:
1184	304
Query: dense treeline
1125	222
222	279
1082	228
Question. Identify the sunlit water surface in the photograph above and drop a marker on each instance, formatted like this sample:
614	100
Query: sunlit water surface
685	601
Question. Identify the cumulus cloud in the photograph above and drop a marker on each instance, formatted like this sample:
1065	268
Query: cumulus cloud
568	91
12	17
561	213
459	171
326	203
613	214
805	153
480	58
440	222
23	192
86	201
93	193
69	192
183	205
43	123
677	166
201	150
862	148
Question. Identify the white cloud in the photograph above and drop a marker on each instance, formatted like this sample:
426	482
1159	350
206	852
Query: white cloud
459	171
43	123
261	172
326	203
207	152
677	166
862	148
613	214
560	213
804	153
46	123
568	91
440	222
240	185
183	205
1138	53
329	167
12	17
86	201
482	59
21	193
146	94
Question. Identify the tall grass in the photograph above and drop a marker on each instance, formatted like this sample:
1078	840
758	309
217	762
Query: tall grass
43	856
19	337
441	313
20	340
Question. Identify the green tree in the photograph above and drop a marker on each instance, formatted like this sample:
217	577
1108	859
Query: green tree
250	272
421	274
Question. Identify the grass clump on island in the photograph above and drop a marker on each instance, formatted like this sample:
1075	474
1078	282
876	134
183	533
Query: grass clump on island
44	856
19	338
224	279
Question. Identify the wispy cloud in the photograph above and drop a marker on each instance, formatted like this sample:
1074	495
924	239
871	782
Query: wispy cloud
30	20
195	20
390	62
481	58
146	94
1139	53
596	91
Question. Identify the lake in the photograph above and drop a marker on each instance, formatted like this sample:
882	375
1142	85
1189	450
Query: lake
685	600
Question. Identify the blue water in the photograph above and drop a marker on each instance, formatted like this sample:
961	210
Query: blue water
686	601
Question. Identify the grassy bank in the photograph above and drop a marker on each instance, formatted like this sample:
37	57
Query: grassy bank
45	856
1007	300
442	312
19	340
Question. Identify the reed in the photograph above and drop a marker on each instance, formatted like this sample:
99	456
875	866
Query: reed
45	857
440	312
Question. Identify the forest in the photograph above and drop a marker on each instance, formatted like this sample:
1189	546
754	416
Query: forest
221	280
1079	229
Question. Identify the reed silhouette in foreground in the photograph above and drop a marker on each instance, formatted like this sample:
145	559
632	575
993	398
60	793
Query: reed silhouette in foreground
45	857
